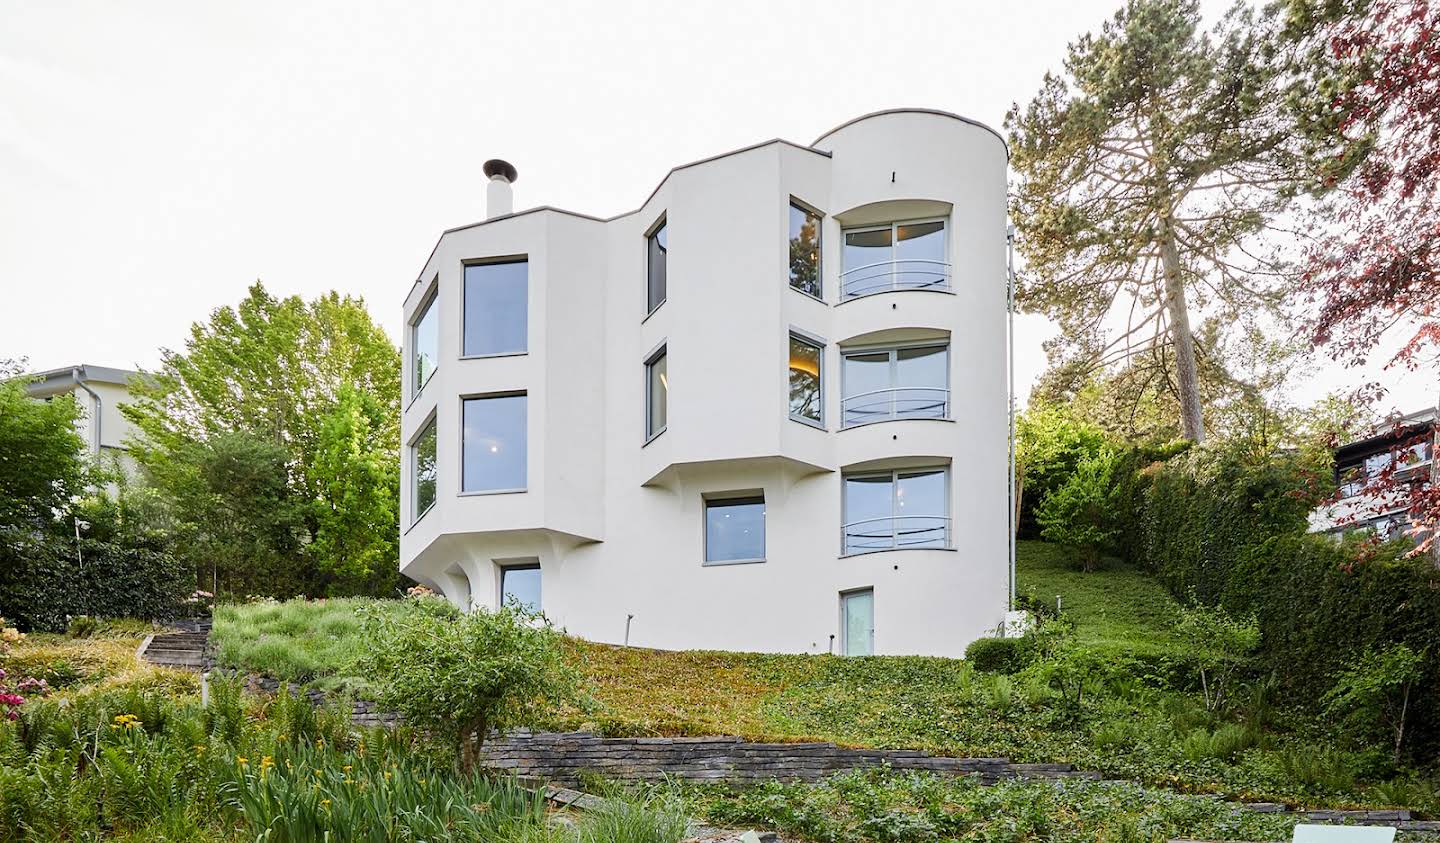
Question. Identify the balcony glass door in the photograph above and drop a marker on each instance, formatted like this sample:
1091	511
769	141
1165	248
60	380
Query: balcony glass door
896	383
857	611
896	510
894	256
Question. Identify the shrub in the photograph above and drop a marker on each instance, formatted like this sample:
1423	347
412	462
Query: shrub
1000	655
82	626
1081	513
1220	644
1374	693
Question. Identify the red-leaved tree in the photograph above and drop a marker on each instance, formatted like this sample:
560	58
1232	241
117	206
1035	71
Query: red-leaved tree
1376	271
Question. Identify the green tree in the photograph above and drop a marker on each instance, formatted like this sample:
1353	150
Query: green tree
319	384
1375	692
1221	643
1050	441
42	458
462	675
1147	177
1082	513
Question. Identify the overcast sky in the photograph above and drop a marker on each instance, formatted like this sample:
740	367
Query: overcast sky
157	158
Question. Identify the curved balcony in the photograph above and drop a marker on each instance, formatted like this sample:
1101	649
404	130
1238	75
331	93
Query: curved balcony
904	402
894	275
899	532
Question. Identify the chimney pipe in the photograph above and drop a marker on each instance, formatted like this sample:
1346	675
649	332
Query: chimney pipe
499	198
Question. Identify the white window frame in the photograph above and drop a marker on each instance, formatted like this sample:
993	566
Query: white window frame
894	475
894	227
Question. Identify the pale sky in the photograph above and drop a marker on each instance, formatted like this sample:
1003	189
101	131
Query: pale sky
156	158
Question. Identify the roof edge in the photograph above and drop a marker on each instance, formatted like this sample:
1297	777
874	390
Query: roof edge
938	112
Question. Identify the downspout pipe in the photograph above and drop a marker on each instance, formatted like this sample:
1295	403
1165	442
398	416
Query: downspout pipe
1010	367
78	373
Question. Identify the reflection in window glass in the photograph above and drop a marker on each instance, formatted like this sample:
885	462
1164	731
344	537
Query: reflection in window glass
805	379
493	444
900	256
423	466
901	383
657	248
865	262
735	529
805	250
858	608
496	309
520	585
425	344
657	393
896	510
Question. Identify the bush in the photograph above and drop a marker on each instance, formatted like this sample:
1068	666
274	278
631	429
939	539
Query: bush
1000	655
82	626
1081	513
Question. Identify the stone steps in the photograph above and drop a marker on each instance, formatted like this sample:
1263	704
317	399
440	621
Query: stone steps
183	648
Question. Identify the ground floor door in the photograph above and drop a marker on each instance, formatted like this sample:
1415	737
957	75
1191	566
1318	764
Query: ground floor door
857	623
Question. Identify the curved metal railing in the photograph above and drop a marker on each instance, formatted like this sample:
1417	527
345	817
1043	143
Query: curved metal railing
882	277
902	402
898	532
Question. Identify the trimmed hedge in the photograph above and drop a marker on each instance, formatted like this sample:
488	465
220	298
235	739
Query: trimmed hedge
1000	655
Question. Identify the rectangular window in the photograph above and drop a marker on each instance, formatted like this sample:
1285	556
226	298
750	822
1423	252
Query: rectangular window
423	471
896	510
496	308
806	362
735	529
857	623
520	586
656	247
425	343
805	250
896	256
493	444
657	393
895	383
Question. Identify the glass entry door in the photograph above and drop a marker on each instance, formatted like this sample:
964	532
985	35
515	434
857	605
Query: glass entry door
857	618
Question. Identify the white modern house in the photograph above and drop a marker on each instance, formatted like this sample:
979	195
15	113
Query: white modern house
767	410
99	390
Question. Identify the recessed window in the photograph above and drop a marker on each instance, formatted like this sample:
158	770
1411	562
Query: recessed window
895	256
910	382
735	529
423	471
656	248
805	250
425	344
520	586
496	308
806	359
896	510
493	444
657	393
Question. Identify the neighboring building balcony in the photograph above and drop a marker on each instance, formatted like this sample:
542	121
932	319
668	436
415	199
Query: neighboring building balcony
892	276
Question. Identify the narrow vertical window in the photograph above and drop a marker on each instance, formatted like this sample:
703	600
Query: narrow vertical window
423	471
424	344
520	586
805	250
655	251
805	380
496	308
857	622
657	393
493	444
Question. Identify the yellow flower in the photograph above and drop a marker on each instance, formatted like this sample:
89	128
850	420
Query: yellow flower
324	803
199	749
241	760
346	768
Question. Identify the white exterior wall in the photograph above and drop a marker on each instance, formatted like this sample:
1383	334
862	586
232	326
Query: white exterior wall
617	524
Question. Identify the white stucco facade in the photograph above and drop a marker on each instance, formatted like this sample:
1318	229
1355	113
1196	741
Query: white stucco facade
623	516
99	391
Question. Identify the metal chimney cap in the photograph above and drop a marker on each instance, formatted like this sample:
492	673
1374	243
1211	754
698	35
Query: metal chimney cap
504	169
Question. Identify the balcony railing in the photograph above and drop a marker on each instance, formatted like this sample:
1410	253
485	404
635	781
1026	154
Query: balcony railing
883	277
899	532
904	402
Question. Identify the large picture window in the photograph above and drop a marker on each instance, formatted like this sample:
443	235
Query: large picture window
657	393
424	344
520	586
806	366
735	529
423	474
896	510
896	256
656	251
911	382
805	250
493	444
496	308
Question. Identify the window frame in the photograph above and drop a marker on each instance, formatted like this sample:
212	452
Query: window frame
894	475
662	350
427	304
894	368
465	295
506	566
820	345
806	207
520	393
651	233
844	619
894	228
431	423
723	499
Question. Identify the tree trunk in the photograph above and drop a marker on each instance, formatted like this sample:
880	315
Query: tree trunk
470	742
1192	422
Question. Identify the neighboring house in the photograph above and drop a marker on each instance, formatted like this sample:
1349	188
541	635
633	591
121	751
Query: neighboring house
765	411
1361	461
99	390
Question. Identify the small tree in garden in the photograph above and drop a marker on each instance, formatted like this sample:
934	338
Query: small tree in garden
1375	692
1081	513
464	675
1222	642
